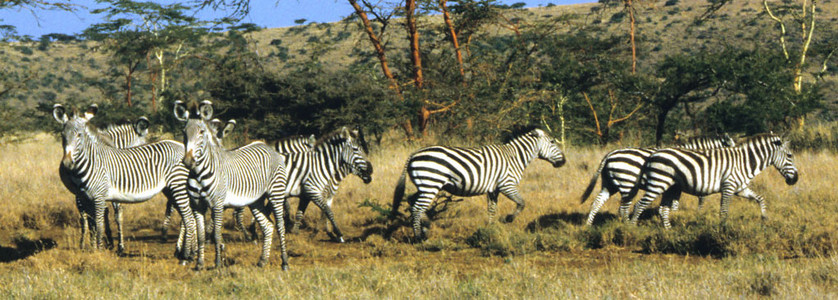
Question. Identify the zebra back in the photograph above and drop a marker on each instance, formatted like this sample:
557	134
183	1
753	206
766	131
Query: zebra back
295	144
126	135
706	142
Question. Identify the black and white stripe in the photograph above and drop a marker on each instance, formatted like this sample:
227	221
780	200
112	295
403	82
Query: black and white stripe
728	171
491	170
620	170
236	178
101	172
314	176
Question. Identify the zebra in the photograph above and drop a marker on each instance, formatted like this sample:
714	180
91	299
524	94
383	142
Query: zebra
220	129
314	176
121	136
728	171
620	170
239	177
101	172
490	169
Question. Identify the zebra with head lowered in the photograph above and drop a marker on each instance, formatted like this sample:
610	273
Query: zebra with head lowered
491	170
314	176
240	177
101	172
121	136
728	171
620	170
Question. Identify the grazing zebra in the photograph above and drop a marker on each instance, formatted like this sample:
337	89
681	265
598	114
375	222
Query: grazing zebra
316	175
120	136
239	177
620	170
491	170
101	172
728	171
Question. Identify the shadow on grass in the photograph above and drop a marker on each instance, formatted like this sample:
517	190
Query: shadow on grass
25	248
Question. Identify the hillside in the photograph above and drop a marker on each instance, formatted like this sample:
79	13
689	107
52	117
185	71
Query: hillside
71	70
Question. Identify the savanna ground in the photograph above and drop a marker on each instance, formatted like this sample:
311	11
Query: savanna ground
546	252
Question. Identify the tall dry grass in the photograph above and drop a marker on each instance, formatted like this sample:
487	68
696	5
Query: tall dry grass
545	253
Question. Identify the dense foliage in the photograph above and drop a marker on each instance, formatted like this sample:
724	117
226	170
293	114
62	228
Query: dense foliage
564	73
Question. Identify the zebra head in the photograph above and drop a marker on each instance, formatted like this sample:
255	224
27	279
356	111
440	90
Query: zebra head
198	135
75	134
221	129
548	148
352	150
782	159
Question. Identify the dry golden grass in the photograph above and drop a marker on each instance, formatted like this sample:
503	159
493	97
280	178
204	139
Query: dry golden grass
545	253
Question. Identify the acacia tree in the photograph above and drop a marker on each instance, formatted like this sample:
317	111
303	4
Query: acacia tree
167	33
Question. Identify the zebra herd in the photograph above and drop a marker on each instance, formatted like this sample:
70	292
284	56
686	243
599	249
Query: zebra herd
117	165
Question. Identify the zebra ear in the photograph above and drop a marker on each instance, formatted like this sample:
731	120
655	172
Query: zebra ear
205	110
312	140
91	111
231	124
141	126
59	113
181	113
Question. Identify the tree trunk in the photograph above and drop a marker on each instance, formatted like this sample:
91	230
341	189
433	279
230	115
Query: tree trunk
416	59
630	8
454	40
382	58
376	44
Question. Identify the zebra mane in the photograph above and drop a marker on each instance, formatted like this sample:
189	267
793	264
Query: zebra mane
518	131
760	137
100	135
333	137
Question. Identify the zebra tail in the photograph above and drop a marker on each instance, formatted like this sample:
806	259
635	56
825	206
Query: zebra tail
398	194
592	184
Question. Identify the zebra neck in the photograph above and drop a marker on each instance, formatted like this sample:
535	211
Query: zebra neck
330	156
522	149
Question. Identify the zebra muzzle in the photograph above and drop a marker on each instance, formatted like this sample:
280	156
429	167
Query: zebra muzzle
67	160
791	179
189	159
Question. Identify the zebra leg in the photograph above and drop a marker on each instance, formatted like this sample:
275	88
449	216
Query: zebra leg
512	193
642	204
727	192
117	209
99	208
176	193
326	209
217	214
492	202
259	213
598	202
670	197
238	213
277	200
424	197
701	202
750	194
170	207
201	233
84	219
676	203
301	210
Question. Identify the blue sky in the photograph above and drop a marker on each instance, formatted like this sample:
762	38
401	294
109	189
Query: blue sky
268	13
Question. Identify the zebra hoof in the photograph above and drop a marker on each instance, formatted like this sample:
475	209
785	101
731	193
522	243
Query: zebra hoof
261	263
509	219
284	267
